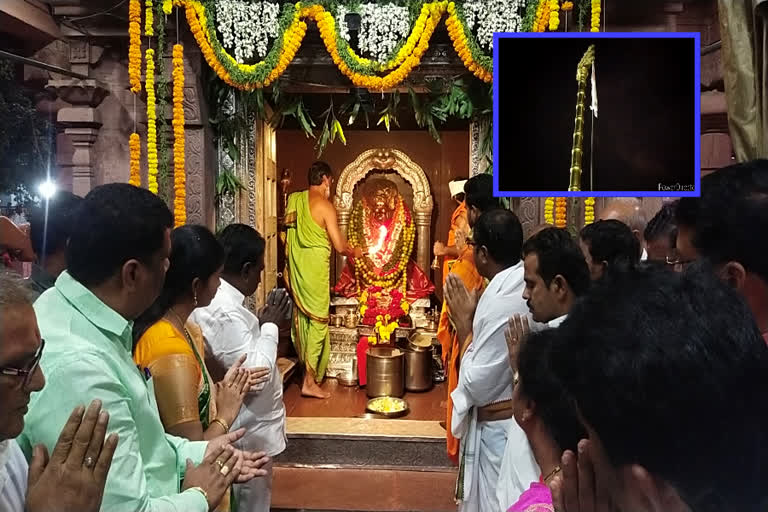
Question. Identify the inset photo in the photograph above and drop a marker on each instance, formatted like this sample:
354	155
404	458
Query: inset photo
597	114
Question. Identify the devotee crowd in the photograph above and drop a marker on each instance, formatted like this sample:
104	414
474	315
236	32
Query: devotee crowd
621	369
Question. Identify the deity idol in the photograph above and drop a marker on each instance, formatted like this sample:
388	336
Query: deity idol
384	280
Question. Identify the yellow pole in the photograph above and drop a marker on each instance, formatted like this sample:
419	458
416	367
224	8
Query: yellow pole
582	73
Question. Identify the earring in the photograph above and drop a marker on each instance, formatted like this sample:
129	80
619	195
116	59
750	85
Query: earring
194	298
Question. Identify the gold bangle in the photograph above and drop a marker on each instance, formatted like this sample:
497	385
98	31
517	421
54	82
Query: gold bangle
200	490
222	423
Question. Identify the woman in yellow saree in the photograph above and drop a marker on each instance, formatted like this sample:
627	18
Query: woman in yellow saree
171	350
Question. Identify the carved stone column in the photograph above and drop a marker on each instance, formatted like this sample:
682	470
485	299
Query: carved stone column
423	221
81	122
341	260
477	157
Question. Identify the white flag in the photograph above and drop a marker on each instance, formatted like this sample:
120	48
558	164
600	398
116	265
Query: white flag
594	91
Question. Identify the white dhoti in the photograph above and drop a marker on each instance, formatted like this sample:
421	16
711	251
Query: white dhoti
518	468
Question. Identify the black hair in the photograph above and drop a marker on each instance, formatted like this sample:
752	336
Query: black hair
195	254
50	226
115	223
613	242
242	244
730	215
554	405
478	192
499	230
662	225
317	171
671	372
559	254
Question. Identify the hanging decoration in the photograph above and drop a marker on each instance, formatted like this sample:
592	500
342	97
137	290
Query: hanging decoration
589	210
549	210
596	9
149	18
468	50
554	15
541	21
566	7
151	122
379	39
179	172
134	48
246	28
134	147
492	16
560	212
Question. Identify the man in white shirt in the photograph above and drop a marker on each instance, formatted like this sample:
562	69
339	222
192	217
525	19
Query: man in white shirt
231	329
556	274
482	411
55	483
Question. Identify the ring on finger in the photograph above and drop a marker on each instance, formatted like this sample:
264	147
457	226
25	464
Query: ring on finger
224	470
220	464
88	462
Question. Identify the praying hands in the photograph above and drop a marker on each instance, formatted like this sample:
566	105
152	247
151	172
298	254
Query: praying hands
461	305
517	330
577	488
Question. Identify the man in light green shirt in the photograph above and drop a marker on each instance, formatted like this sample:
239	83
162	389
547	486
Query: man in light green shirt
117	259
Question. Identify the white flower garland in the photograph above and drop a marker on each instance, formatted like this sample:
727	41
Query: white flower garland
382	27
341	21
246	27
493	16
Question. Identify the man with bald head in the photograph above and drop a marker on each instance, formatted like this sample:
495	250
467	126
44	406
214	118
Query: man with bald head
628	210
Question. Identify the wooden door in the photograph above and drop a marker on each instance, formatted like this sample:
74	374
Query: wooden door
266	204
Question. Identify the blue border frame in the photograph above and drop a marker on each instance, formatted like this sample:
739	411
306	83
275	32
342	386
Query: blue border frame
696	36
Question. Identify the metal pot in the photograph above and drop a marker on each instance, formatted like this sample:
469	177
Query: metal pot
418	368
385	372
350	320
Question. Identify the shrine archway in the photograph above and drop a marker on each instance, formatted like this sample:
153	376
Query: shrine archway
384	160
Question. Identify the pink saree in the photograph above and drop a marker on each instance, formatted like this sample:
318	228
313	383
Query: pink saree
536	499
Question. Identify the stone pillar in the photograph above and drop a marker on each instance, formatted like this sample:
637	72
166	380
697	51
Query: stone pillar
81	123
423	220
199	151
671	11
478	163
341	260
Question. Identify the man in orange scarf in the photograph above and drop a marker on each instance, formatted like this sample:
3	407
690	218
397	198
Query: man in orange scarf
478	199
459	229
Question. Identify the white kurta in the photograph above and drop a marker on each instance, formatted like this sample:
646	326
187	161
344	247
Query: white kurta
13	477
519	467
485	377
231	330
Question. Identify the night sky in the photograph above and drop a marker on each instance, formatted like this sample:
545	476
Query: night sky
644	133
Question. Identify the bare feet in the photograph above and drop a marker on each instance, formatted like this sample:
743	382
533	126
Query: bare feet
309	388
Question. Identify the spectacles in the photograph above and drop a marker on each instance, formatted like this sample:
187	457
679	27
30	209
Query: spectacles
29	371
678	264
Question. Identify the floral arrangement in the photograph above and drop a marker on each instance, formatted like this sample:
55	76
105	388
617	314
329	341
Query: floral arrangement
493	16
379	38
383	310
542	16
589	210
560	212
596	8
134	48
554	14
134	146
549	210
566	6
149	18
245	27
392	273
179	173
151	122
468	50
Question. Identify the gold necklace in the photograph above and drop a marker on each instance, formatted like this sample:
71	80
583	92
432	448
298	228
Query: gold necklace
551	474
182	325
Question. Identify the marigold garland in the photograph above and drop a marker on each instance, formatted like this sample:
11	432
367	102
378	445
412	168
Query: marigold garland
566	7
134	146
596	9
151	122
362	72
458	33
542	16
134	48
149	18
589	210
560	212
554	14
179	176
549	210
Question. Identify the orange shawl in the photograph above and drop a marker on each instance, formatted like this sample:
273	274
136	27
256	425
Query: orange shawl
459	213
464	267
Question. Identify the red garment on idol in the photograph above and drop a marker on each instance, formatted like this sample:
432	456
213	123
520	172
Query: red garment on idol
418	284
